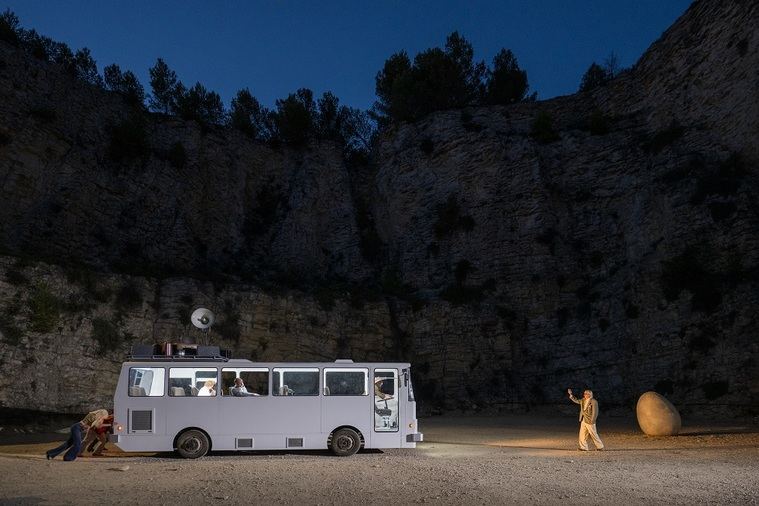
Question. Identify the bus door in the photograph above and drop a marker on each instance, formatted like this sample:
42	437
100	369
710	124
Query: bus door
386	409
346	391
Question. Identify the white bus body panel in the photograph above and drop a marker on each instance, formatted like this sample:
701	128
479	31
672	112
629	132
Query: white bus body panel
257	423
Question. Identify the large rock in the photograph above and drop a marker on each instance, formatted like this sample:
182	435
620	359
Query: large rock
657	416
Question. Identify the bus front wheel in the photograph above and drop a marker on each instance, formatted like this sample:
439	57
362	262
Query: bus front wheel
345	442
192	444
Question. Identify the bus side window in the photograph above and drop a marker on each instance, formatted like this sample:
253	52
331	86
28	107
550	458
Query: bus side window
146	381
295	381
257	382
345	381
194	382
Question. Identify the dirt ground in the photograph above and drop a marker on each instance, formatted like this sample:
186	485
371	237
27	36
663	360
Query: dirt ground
464	460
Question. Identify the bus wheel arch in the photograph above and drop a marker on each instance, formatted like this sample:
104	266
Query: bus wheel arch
345	441
192	442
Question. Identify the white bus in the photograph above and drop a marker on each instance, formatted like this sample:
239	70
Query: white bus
194	405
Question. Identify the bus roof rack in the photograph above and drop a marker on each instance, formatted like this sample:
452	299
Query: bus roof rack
343	361
178	352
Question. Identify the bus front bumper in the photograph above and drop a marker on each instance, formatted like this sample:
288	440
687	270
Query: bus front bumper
416	437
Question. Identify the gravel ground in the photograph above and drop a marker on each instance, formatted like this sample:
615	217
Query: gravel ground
465	460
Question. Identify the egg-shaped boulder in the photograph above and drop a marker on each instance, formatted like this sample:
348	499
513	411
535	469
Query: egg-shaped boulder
657	416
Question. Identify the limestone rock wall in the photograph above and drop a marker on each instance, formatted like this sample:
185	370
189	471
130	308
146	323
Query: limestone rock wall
619	255
621	252
68	330
224	204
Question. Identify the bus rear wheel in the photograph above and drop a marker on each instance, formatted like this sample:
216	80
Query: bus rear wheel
345	442
192	444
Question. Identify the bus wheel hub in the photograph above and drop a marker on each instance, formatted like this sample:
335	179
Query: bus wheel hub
344	443
192	445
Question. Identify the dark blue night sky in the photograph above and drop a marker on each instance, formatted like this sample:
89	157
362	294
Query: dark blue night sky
274	47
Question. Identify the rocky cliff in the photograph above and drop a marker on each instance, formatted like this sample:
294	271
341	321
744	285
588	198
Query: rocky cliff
608	238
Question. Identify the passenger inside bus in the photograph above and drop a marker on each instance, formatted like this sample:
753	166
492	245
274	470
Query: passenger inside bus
239	390
378	384
385	404
207	390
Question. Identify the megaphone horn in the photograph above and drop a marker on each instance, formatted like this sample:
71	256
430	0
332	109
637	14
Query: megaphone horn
202	318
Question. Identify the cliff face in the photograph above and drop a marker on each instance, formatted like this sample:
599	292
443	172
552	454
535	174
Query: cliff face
187	200
617	246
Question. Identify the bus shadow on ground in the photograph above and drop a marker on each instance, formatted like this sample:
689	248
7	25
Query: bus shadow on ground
260	453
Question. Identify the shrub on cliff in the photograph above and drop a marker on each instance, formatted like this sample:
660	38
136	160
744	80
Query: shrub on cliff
598	123
128	297
16	277
439	79
462	270
163	82
58	53
106	335
392	87
43	114
593	78
298	119
295	117
542	129
12	335
450	219
507	83
177	156
270	203
663	138
37	45
44	309
80	64
85	68
249	116
228	327
459	294
199	104
597	76
391	282
125	83
688	272
9	26
129	140
724	182
345	125
170	96
715	389
447	78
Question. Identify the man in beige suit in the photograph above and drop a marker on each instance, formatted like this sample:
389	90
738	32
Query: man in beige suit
588	415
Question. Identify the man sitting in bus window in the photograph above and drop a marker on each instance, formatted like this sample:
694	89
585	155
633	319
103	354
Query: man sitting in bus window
378	390
207	390
239	389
